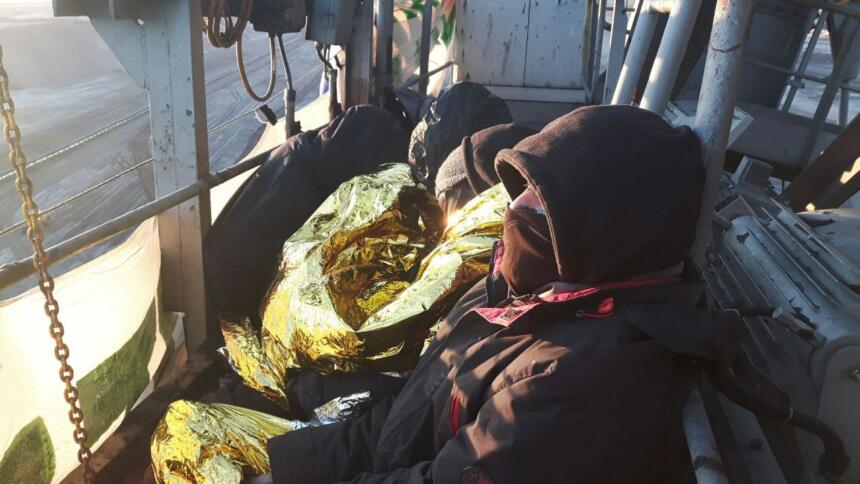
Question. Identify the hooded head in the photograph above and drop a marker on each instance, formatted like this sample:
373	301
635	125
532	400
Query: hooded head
465	108
470	169
620	189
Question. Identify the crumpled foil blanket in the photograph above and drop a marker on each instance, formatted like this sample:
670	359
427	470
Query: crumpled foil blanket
362	282
212	443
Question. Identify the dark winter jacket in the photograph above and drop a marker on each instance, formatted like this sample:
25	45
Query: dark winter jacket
581	385
241	249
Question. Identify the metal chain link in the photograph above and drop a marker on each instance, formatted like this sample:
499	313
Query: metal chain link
40	260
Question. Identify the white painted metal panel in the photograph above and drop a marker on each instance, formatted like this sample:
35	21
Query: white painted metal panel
177	101
491	41
539	94
556	37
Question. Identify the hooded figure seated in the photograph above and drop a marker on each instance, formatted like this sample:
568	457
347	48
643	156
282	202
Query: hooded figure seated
571	362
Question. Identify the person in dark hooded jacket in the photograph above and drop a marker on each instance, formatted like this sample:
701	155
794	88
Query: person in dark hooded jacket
241	250
470	169
577	372
461	110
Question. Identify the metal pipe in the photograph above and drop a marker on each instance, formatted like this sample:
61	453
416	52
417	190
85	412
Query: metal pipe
430	74
804	61
384	21
616	48
636	13
701	442
809	77
424	64
16	271
662	6
717	98
830	91
847	10
598	49
844	104
664	72
635	59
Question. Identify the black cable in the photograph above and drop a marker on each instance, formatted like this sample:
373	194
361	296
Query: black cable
291	126
284	60
753	311
834	462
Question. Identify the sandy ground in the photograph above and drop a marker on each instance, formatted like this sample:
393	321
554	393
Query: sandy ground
67	85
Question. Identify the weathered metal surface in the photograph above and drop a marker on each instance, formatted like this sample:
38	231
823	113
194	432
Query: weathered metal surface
729	35
556	36
180	149
777	260
700	442
359	57
492	39
778	138
523	43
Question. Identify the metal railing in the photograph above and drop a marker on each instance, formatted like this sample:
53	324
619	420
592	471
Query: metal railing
19	270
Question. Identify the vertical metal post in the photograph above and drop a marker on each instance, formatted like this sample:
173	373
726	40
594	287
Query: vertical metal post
635	59
359	56
732	20
804	61
384	21
844	104
640	4
598	49
700	440
617	40
669	55
836	78
424	61
177	101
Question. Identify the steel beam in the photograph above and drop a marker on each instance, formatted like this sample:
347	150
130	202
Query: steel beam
598	50
804	61
617	39
173	63
384	23
840	66
424	60
634	62
359	57
849	10
717	98
701	443
673	45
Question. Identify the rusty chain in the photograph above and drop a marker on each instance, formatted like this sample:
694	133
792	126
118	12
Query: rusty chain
40	260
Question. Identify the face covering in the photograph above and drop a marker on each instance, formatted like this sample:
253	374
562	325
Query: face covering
528	261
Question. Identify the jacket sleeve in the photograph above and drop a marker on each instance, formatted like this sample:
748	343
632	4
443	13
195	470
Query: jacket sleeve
538	430
329	453
308	390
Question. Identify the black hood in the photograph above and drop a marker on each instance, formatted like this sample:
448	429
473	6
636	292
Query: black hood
465	108
621	187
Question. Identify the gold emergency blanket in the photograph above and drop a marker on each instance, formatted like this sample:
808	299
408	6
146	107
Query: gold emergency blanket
212	443
363	280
